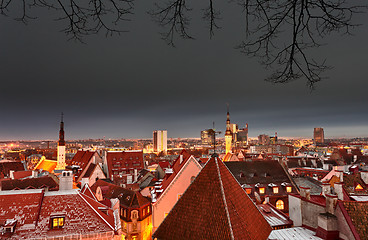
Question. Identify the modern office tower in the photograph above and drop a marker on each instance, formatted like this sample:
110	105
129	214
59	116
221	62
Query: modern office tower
160	141
263	139
208	136
319	136
242	135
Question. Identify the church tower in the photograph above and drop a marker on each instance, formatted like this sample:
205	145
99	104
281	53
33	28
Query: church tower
61	147
228	134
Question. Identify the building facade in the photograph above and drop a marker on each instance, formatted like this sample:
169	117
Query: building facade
160	141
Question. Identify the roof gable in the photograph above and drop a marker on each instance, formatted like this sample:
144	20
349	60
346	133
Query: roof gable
214	207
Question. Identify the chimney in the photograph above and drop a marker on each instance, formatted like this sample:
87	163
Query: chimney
11	174
305	192
267	199
135	175
34	173
331	201
364	176
326	189
66	180
339	190
340	174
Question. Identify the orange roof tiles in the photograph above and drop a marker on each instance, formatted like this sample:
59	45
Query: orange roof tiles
214	207
357	212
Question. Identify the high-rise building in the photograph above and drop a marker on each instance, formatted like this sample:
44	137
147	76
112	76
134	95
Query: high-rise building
160	141
242	135
319	136
208	136
61	147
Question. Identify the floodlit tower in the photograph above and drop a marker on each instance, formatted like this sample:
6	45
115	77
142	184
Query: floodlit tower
61	147
228	134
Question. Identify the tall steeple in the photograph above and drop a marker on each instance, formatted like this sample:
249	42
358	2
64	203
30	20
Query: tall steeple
61	147
228	135
61	132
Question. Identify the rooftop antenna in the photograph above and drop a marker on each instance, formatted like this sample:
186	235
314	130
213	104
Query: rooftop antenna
214	139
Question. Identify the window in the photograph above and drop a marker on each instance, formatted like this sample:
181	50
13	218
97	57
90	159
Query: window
261	190
179	195
280	205
166	214
288	189
135	214
57	222
248	190
358	187
275	190
148	210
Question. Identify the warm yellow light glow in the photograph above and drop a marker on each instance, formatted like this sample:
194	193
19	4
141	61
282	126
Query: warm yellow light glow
275	190
288	189
55	223
359	187
248	190
280	204
262	190
61	222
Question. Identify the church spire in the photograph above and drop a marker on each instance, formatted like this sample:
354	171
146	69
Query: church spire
228	135
61	147
61	132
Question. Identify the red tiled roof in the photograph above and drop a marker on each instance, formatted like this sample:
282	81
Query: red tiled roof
164	165
214	207
82	158
123	161
27	183
82	215
274	217
127	197
357	212
6	166
22	174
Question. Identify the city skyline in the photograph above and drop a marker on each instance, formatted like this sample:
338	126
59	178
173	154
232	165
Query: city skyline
130	85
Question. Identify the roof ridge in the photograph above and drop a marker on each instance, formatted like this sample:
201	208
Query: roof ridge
105	220
224	198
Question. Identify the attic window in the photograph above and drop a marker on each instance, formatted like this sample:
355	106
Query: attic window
288	189
275	190
359	187
261	190
57	222
248	190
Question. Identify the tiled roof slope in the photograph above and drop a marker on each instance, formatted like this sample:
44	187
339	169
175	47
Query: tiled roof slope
214	207
29	183
126	197
6	166
357	212
33	212
258	171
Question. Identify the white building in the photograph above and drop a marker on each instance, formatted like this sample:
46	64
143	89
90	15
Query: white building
160	141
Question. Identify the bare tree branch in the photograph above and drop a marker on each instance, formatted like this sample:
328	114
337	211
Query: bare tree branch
83	17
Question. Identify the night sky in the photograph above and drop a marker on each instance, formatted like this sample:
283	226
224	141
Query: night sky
129	85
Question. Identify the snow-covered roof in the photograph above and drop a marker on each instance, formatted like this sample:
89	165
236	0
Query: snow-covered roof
293	233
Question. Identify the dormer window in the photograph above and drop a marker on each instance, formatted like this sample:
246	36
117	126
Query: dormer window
275	190
261	190
57	222
359	187
288	189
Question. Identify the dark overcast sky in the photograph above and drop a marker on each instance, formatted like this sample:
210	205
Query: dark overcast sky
129	85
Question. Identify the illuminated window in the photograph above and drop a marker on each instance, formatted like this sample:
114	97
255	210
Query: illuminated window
57	222
179	195
280	204
288	189
262	190
275	190
148	210
248	190
166	214
359	187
